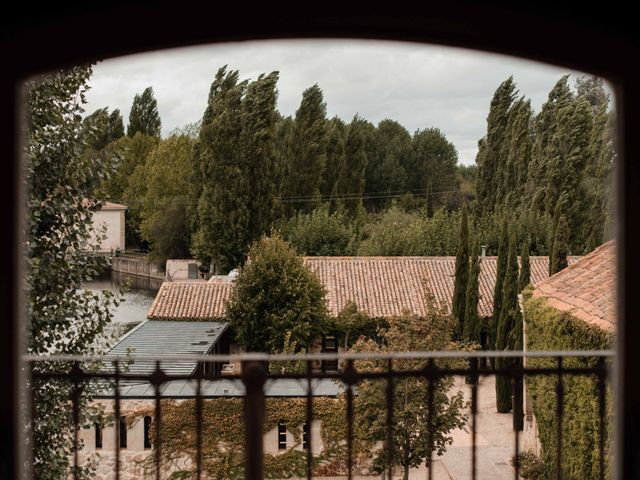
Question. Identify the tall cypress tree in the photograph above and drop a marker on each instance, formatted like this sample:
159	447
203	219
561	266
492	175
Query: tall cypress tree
462	276
525	268
509	312
560	247
472	323
492	158
308	152
501	269
144	116
335	164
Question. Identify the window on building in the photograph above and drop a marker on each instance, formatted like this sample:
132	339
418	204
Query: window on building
123	432
282	436
147	432
98	429
305	436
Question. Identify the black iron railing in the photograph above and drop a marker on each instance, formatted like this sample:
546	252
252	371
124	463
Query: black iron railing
79	371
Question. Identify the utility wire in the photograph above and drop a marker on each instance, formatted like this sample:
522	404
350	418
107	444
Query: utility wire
356	196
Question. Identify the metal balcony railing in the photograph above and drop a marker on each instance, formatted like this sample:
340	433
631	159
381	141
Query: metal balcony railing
79	371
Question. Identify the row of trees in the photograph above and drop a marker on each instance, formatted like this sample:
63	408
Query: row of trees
251	168
557	162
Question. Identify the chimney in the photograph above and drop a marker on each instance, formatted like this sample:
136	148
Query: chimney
483	249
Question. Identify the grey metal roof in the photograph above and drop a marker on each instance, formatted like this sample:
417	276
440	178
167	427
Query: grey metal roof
156	337
282	387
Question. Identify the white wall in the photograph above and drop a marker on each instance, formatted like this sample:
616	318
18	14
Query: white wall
114	222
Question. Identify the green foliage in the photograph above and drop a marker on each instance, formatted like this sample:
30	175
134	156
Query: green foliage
501	271
237	165
350	186
275	294
352	323
472	322
532	467
525	268
394	233
459	300
335	161
550	329
319	233
560	248
144	117
63	317
509	318
411	432
166	175
307	154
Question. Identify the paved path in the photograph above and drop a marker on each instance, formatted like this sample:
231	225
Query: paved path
494	442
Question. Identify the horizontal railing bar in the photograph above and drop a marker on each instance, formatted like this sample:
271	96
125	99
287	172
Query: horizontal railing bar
440	371
319	356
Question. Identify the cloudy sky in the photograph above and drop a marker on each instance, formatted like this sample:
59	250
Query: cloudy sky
419	86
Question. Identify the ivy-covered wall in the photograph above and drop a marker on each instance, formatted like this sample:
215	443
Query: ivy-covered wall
551	329
223	438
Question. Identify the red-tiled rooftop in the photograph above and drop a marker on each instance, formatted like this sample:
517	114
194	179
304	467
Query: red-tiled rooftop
586	288
380	286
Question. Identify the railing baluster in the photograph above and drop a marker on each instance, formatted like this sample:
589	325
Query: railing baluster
349	377
199	428
431	377
559	413
157	382
474	414
518	414
253	375
117	419
75	400
309	420
602	429
389	405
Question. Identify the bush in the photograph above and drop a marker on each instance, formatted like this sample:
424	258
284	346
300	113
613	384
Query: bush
532	467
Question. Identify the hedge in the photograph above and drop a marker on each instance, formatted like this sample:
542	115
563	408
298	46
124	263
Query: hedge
551	329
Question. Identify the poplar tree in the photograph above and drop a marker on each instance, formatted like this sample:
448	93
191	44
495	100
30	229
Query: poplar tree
472	323
307	152
560	247
509	313
492	158
257	144
223	208
116	125
335	162
525	268
501	269
144	116
352	178
462	276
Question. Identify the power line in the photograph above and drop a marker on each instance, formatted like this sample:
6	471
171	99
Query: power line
356	196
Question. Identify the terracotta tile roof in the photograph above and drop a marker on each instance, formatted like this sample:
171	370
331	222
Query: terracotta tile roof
380	286
586	288
190	301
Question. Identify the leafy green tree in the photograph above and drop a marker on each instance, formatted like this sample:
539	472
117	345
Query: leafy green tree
518	155
394	233
307	152
508	319
501	272
352	178
432	164
472	322
144	116
259	157
525	268
275	294
63	317
412	437
335	162
116	125
319	233
492	157
224	204
167	174
385	172
560	248
459	300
